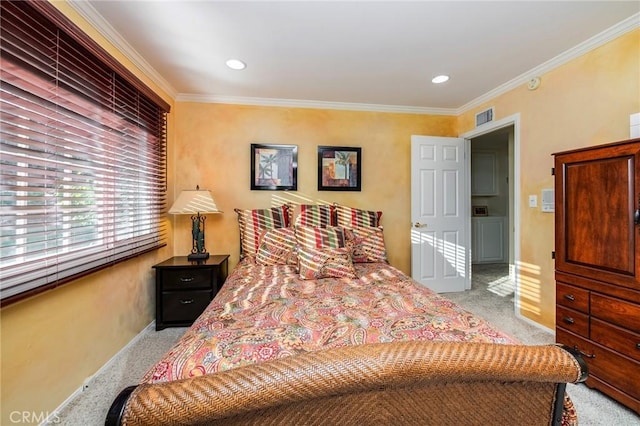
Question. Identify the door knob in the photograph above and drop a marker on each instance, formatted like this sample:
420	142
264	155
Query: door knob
420	225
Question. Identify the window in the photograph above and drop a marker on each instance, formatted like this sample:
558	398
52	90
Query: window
82	154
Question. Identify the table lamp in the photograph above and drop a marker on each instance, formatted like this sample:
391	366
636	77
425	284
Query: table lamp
196	203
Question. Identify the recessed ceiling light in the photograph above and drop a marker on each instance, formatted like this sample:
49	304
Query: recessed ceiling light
439	79
236	64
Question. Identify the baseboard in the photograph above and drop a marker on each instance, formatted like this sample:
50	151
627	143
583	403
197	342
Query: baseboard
532	322
53	418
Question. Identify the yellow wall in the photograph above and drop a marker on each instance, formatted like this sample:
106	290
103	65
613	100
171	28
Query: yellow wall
213	151
584	102
51	342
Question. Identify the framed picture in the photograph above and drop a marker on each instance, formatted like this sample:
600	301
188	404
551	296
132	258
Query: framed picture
339	168
480	211
274	167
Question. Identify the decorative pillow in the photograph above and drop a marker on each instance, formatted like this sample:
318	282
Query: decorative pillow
366	244
319	238
352	217
326	263
253	222
277	247
320	215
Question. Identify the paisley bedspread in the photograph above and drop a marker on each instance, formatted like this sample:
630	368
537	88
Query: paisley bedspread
268	312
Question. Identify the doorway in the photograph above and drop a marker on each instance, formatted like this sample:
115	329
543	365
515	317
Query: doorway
491	194
500	232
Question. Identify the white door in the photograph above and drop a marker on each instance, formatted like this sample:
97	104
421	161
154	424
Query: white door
440	220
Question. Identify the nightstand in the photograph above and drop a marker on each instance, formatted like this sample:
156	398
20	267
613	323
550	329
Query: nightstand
184	288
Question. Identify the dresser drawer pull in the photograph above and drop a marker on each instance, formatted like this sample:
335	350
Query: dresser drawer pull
186	302
568	320
570	297
638	346
584	354
186	280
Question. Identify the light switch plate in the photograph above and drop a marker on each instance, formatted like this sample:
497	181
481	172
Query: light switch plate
533	201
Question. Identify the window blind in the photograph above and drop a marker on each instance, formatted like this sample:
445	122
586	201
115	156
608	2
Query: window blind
82	155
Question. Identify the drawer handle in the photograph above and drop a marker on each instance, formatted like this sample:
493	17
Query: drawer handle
570	297
638	346
186	302
584	354
568	320
186	280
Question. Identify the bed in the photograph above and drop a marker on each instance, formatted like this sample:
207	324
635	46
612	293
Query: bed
314	326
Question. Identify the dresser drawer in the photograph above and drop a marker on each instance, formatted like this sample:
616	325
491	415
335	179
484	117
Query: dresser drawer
184	305
616	338
619	312
177	279
574	321
608	366
572	297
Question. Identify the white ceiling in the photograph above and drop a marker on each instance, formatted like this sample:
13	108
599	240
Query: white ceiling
378	55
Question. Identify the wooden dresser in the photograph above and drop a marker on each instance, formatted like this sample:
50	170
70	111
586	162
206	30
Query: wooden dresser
597	194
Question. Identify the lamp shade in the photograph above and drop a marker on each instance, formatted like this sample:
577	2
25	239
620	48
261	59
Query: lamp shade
195	201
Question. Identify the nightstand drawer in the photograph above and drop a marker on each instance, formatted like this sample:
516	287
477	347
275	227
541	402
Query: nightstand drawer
184	305
572	320
178	279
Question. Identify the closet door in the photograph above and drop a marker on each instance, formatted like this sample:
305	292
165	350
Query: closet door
597	201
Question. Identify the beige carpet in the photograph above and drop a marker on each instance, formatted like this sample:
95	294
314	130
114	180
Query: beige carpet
491	297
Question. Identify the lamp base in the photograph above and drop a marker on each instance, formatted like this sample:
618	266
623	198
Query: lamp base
198	256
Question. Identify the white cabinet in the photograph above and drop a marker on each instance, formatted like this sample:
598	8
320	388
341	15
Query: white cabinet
484	173
489	239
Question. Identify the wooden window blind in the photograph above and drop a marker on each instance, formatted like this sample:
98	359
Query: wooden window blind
82	155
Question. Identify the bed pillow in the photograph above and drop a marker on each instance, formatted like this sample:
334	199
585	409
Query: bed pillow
352	217
253	222
277	247
326	263
319	215
366	244
319	238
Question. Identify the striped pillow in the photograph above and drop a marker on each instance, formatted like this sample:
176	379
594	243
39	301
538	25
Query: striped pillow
277	247
326	263
352	217
253	222
321	215
320	238
366	244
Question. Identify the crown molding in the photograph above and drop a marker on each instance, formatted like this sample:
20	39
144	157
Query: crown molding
295	103
594	42
103	27
96	20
